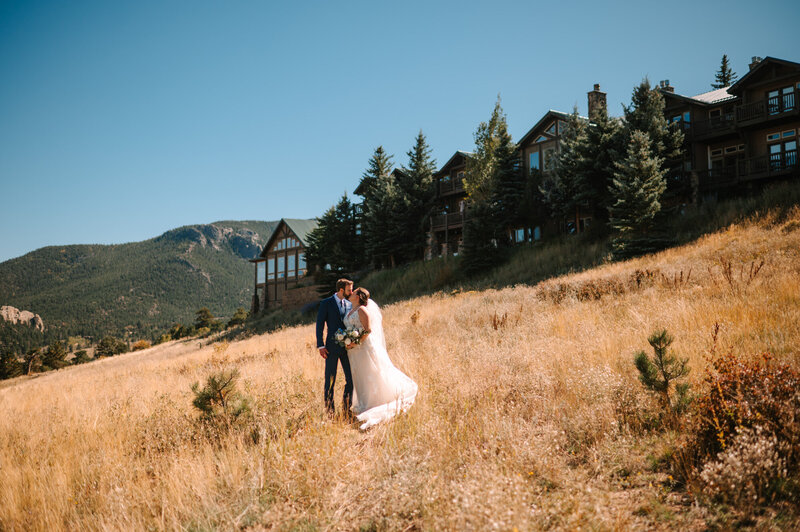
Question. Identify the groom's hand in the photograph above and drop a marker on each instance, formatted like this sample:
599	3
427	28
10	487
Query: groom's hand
323	352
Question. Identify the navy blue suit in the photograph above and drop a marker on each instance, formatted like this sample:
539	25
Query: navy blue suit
329	315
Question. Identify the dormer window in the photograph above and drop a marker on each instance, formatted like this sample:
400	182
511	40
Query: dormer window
552	129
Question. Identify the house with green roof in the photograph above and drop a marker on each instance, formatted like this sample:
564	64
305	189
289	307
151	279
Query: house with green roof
281	273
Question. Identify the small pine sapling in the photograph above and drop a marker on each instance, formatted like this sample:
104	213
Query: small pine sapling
219	399
659	373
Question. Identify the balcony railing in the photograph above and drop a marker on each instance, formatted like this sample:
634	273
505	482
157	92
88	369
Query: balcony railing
776	106
769	165
451	185
715	125
440	222
717	177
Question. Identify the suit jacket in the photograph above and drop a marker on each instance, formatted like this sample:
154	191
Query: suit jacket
329	314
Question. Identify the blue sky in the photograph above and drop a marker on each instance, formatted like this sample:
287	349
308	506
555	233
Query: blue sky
121	120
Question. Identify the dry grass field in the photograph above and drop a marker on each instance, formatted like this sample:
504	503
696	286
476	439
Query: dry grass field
522	421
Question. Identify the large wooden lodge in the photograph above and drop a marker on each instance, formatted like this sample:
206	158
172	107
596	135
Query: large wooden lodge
735	139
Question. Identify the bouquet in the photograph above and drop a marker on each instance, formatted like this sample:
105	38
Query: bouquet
347	337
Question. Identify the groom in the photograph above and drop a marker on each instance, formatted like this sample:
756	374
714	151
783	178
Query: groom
331	312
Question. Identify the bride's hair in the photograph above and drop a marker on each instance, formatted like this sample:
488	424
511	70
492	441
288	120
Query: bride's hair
363	295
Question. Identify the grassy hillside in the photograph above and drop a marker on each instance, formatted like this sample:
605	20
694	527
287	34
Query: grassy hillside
530	414
142	287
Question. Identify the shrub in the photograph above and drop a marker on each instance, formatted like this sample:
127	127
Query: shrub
163	338
748	414
748	473
238	318
81	357
141	344
219	400
10	367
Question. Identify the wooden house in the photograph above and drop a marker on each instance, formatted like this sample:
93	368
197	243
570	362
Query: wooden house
743	135
281	273
447	221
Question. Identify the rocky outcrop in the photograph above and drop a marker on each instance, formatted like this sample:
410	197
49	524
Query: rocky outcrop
243	242
14	315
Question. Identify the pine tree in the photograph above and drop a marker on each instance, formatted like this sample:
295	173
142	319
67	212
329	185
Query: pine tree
55	356
482	234
415	184
604	146
482	166
725	76
636	190
382	222
10	367
204	318
568	189
379	164
508	191
646	113
335	248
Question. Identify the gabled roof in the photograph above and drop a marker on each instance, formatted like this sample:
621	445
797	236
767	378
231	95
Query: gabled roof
705	99
452	160
738	86
301	229
549	115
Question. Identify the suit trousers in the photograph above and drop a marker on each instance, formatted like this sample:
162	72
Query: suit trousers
331	368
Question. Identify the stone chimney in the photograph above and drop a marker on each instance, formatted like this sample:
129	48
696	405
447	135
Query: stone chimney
597	100
665	86
754	63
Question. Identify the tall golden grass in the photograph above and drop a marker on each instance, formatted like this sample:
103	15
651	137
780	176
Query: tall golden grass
522	421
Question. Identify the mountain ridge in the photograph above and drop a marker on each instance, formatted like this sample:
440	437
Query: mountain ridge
137	289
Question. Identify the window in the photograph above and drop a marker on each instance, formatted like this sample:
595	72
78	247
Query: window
561	127
537	233
542	138
281	267
716	153
787	98
290	265
271	268
773	136
519	235
731	149
789	133
773	102
261	268
461	175
534	160
551	129
687	117
715	113
301	264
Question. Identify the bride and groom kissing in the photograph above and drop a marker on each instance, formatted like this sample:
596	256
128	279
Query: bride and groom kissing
375	390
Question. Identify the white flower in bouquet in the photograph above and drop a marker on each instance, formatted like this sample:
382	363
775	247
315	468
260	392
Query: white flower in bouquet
339	336
348	341
356	333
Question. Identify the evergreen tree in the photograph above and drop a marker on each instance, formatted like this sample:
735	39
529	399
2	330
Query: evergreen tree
10	367
646	113
380	164
483	235
55	356
238	318
725	76
334	247
605	144
204	318
480	251
482	166
569	190
636	190
508	191
415	184
384	232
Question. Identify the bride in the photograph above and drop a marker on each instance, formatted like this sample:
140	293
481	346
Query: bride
381	390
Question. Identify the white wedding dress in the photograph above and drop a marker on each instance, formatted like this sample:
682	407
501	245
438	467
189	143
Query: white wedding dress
380	389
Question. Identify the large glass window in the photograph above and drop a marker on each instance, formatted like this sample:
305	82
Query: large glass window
281	267
787	98
534	160
261	268
551	129
301	264
271	268
290	265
